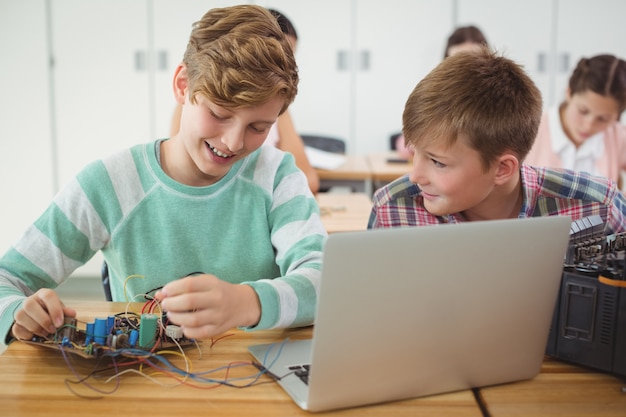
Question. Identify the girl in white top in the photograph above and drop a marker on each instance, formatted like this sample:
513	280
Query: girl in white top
584	132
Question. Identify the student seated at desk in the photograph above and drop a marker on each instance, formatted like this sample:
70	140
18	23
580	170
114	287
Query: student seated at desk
223	229
471	122
584	132
282	134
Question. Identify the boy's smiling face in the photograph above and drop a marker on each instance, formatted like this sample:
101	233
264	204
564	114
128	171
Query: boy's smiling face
453	179
215	137
212	137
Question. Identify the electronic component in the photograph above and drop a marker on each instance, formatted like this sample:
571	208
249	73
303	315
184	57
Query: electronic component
589	322
148	330
175	332
110	335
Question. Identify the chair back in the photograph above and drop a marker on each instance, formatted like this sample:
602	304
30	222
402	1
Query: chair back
393	138
325	143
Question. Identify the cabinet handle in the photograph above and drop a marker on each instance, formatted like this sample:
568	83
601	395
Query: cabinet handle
162	61
342	60
140	61
564	62
364	60
542	65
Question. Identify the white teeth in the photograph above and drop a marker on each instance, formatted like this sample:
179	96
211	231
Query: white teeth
218	153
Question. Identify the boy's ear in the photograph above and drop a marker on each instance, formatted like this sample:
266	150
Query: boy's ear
180	84
507	167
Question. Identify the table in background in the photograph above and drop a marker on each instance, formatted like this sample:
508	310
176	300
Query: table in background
343	212
34	378
384	170
354	173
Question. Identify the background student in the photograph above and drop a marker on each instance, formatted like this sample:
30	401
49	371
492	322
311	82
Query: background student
224	229
283	134
463	39
471	122
584	132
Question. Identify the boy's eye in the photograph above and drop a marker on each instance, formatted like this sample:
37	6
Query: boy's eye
217	116
437	163
258	129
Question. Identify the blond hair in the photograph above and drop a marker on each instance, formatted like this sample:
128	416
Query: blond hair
239	57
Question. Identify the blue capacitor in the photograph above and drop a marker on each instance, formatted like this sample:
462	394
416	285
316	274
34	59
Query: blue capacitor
110	323
89	336
134	336
100	331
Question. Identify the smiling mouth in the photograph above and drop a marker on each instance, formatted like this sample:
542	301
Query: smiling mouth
218	153
428	195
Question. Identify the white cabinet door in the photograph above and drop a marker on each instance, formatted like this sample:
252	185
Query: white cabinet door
549	37
398	42
586	29
101	83
101	79
520	30
359	61
323	103
26	166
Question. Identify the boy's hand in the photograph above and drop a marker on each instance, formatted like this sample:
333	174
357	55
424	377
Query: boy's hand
205	306
41	314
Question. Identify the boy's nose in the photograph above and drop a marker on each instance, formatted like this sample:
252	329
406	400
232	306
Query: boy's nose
234	139
416	174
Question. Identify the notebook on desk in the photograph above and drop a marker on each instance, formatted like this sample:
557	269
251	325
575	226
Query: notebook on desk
411	312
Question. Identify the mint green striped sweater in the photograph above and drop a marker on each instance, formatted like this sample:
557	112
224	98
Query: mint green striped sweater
259	225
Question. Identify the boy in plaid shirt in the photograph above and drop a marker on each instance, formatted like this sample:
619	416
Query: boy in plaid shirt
471	123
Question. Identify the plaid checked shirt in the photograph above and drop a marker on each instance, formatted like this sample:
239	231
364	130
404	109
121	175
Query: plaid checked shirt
547	192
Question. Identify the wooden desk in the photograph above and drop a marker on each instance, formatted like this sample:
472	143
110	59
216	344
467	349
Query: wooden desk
559	390
383	172
344	212
33	384
355	173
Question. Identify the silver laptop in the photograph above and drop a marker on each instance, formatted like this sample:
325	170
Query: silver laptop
410	312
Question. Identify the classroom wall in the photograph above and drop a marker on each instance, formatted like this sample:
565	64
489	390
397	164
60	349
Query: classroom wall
83	78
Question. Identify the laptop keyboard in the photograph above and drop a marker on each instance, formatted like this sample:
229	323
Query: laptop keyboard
302	372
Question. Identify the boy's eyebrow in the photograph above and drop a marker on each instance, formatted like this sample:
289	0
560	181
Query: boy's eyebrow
434	155
269	122
263	122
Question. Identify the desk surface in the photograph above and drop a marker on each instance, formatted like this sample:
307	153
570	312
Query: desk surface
355	167
344	212
34	379
560	389
384	171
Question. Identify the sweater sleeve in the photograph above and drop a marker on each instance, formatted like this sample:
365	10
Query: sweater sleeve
49	250
297	235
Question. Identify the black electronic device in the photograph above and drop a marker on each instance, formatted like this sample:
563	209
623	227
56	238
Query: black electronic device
589	322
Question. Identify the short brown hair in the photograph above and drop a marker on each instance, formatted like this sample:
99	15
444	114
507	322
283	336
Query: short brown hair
486	97
239	57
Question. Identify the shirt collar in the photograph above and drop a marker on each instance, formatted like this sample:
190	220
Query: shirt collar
530	190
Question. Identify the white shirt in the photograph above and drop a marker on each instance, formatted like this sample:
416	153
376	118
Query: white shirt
579	159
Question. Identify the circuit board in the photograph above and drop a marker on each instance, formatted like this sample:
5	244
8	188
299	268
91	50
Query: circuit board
113	334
